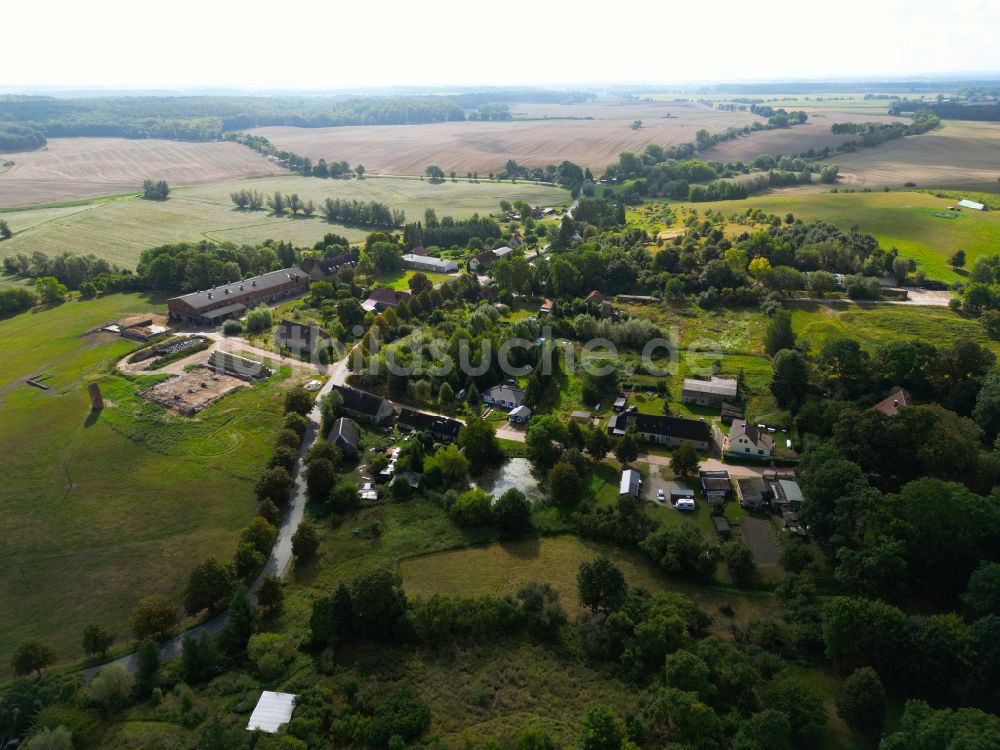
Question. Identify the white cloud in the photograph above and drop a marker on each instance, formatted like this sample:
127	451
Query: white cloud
329	45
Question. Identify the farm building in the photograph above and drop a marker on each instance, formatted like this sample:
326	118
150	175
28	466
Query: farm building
891	403
345	435
505	396
379	299
220	303
966	203
227	363
366	406
746	440
520	415
631	483
710	392
654	428
731	412
441	428
594	298
427	264
300	338
788	494
715	485
325	269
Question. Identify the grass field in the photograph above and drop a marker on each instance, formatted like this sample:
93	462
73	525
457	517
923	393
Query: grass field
909	221
504	567
120	229
152	494
73	168
878	324
538	140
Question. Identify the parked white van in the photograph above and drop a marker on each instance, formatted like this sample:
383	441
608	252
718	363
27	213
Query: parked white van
685	503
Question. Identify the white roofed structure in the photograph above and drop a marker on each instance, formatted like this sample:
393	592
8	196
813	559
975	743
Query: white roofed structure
272	710
966	203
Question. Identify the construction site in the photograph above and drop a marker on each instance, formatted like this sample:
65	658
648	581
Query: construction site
189	393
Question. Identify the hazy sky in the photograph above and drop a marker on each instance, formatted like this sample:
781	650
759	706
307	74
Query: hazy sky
334	44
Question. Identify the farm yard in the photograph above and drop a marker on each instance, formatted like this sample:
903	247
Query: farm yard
70	169
151	492
486	146
120	229
919	224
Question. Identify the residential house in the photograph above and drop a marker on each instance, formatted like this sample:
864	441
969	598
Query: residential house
655	428
325	269
631	483
345	435
365	406
427	264
419	250
715	485
710	392
520	415
482	261
891	403
301	338
220	303
752	492
379	299
546	307
441	428
746	440
505	396
594	298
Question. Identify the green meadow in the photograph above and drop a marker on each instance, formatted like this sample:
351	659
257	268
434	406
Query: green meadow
102	509
918	224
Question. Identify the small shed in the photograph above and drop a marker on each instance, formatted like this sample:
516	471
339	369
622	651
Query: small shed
271	711
581	417
966	203
721	526
630	483
619	404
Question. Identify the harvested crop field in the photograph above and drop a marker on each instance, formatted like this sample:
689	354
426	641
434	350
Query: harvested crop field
960	154
814	133
120	229
486	146
75	168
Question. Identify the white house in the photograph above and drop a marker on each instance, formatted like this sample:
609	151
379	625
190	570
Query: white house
745	439
427	264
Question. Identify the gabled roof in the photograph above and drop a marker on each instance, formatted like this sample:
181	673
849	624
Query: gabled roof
629	484
754	435
675	427
509	393
345	430
891	403
547	305
387	296
485	258
715	385
594	298
261	284
359	401
419	250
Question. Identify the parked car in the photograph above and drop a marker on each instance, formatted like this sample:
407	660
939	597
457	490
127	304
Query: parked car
661	496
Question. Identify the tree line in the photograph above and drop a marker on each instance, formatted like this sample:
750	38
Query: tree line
949	110
15	137
875	133
155	190
448	232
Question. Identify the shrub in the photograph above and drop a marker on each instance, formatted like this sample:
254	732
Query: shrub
232	328
258	320
156	616
512	512
111	690
403	714
472	508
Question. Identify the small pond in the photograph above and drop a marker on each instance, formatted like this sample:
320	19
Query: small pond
517	472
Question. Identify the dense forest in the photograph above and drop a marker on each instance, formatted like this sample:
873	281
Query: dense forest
951	110
14	137
202	118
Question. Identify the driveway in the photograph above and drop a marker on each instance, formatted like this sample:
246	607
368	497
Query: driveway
757	536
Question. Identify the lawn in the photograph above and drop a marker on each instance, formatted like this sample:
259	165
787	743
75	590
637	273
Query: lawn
877	324
120	229
504	567
400	281
909	221
152	493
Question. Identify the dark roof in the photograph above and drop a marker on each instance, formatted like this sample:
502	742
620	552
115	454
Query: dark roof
715	484
326	265
344	429
387	296
486	257
594	297
437	425
262	283
721	524
221	312
359	401
675	427
751	488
